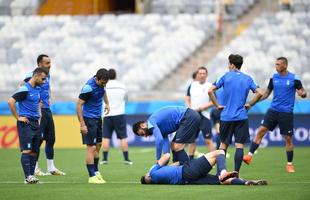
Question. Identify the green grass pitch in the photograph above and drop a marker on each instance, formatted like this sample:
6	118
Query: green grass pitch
123	180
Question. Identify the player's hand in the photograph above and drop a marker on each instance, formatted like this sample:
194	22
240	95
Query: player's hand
106	109
247	106
23	119
83	129
220	107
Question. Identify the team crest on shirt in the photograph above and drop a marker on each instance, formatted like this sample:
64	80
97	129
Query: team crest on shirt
287	82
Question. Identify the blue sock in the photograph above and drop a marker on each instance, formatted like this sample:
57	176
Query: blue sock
49	149
237	181
289	155
96	164
125	154
105	155
182	156
220	163
33	160
191	157
218	141
253	147
238	159
90	169
25	161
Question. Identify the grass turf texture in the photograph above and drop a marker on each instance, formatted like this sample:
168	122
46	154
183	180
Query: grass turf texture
123	180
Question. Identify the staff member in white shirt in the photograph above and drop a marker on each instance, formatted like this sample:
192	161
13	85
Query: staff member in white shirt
197	98
115	120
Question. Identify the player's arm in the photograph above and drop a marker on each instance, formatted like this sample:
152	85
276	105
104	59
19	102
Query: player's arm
188	97
300	89
19	96
79	111
106	102
159	142
258	95
205	106
268	91
212	96
164	159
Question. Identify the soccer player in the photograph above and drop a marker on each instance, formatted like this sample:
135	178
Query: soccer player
184	121
195	172
47	127
28	98
89	112
197	98
284	84
215	116
115	120
234	117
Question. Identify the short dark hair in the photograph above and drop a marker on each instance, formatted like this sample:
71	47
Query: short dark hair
284	59
112	74
236	60
136	127
40	58
194	75
142	180
203	68
39	70
102	74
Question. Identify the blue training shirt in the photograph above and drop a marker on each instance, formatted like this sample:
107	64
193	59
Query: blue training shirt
236	86
284	88
92	94
166	174
28	99
45	90
162	123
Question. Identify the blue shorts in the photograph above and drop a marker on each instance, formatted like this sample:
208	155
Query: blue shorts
285	121
117	123
188	128
238	129
209	179
195	169
47	127
205	127
94	135
215	116
29	135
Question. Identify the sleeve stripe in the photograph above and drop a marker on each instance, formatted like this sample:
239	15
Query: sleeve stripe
86	89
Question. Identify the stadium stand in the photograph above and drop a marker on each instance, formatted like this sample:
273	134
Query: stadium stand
138	46
270	36
18	7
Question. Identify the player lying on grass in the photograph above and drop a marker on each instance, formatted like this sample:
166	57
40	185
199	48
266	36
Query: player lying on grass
195	171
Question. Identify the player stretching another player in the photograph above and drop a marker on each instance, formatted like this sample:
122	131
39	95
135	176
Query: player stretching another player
89	112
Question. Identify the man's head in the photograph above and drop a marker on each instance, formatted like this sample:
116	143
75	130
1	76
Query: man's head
39	76
112	74
43	61
281	64
202	74
146	179
102	77
140	129
235	61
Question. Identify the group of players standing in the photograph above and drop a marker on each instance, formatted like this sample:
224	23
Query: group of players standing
35	118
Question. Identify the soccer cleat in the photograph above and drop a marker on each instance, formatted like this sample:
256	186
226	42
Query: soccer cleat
256	182
128	162
38	172
98	175
104	162
247	159
290	168
95	180
31	180
228	175
57	172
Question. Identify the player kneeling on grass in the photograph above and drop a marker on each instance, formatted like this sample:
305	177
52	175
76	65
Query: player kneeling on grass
195	172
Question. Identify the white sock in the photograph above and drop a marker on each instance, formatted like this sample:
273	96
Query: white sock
223	172
289	163
250	154
37	166
50	165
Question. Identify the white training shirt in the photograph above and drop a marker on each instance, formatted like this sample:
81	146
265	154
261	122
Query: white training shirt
117	95
199	96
